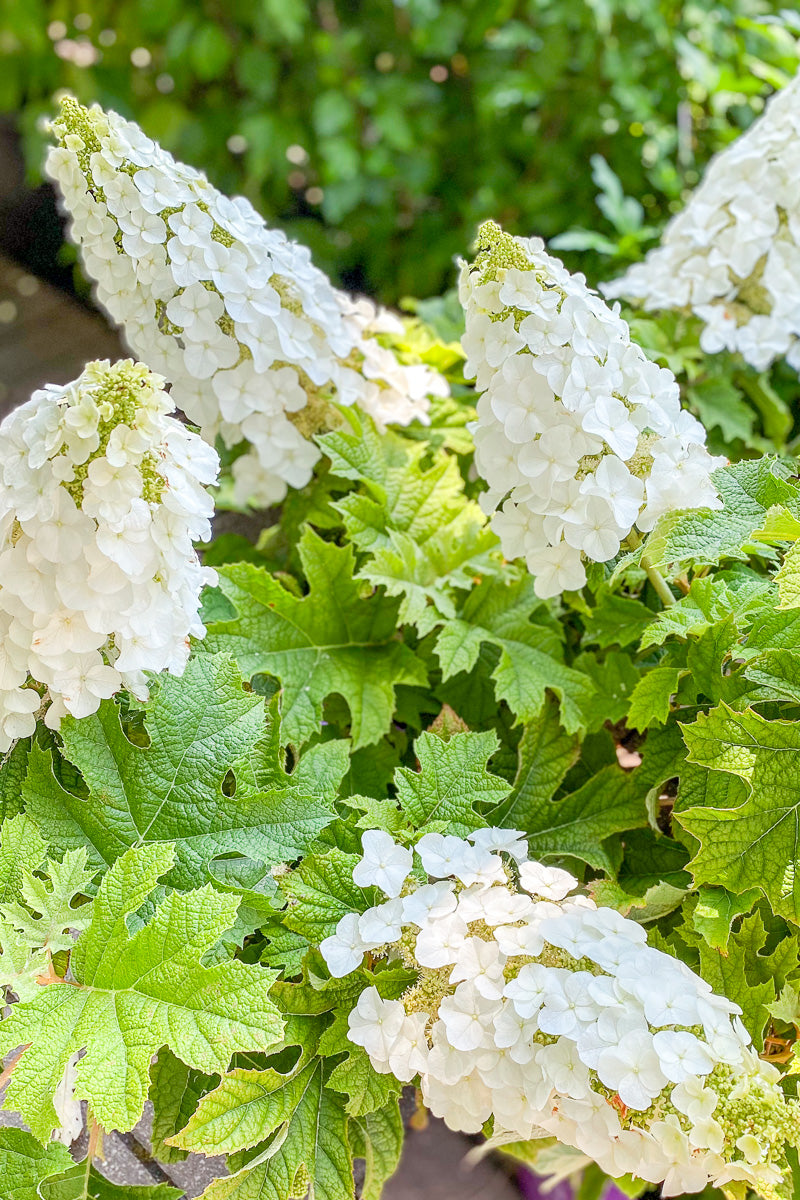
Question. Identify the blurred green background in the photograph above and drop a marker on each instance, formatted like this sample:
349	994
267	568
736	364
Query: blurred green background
381	133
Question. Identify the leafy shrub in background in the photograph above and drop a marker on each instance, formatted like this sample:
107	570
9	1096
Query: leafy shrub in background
382	134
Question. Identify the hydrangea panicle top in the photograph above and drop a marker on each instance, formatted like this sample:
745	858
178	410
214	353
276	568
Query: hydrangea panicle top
102	494
256	342
539	1012
579	436
732	255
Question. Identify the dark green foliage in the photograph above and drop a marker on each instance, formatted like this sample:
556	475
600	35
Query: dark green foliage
382	134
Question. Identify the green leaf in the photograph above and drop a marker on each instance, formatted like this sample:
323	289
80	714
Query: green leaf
47	921
776	416
720	403
24	1164
754	844
379	1136
544	755
175	1090
787	1007
133	994
332	641
616	620
171	790
320	892
705	536
778	674
709	600
284	949
613	800
614	677
13	765
707	658
245	1107
309	1124
656	902
651	858
209	51
452	779
22	849
650	701
404	489
84	1182
715	912
426	576
745	974
530	665
21	852
425	539
20	964
788	579
775	631
365	1088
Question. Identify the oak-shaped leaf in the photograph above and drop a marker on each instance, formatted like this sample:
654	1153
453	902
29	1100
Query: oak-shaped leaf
305	1121
333	641
452	778
753	843
25	1164
748	489
425	540
129	994
504	614
171	790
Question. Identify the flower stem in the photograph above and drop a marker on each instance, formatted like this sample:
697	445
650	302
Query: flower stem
658	581
660	585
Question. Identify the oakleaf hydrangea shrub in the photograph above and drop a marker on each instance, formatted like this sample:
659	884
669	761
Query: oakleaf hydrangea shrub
544	1012
477	771
254	339
103	494
580	437
733	253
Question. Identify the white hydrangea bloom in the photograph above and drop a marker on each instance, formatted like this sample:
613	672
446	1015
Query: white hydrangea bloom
579	436
732	255
552	1017
254	339
102	494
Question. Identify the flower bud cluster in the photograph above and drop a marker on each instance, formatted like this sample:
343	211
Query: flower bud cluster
579	436
255	341
732	255
102	494
548	1016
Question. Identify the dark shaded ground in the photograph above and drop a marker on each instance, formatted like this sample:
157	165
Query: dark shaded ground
45	337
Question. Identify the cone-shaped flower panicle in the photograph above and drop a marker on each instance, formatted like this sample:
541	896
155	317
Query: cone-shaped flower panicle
732	255
102	494
254	339
579	436
549	1016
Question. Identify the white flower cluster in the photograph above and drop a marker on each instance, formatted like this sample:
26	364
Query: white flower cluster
732	255
552	1017
101	496
255	341
579	436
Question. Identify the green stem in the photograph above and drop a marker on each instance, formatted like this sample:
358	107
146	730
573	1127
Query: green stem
660	585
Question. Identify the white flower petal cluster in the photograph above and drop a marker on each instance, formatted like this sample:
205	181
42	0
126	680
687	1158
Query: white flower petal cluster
579	436
102	494
732	255
254	339
547	1015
